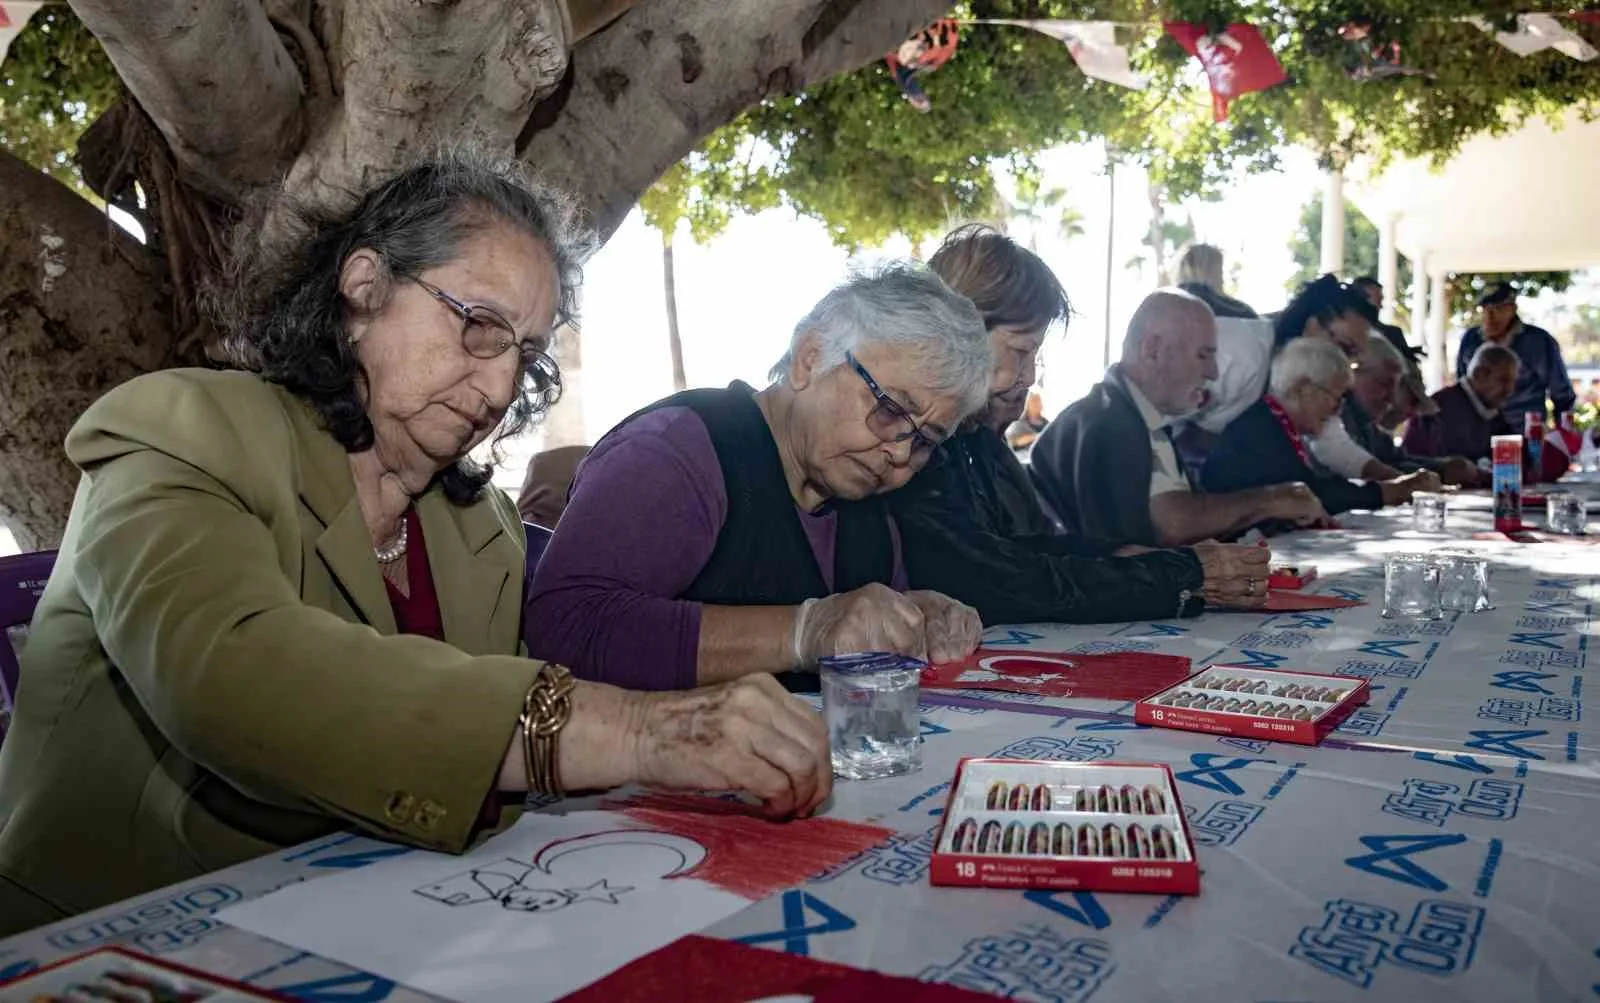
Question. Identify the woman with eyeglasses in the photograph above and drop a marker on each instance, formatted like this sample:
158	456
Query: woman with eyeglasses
721	533
287	601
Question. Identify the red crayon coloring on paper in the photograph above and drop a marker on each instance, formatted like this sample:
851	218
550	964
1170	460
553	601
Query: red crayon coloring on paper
746	854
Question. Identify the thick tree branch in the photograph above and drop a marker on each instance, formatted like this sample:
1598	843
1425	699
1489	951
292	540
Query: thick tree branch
216	80
416	73
668	72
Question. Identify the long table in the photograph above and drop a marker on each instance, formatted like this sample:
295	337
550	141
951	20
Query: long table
1441	846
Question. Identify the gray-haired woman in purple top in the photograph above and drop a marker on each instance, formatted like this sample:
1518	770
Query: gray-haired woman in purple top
720	533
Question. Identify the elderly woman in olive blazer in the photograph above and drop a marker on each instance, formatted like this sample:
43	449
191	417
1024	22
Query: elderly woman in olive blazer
287	602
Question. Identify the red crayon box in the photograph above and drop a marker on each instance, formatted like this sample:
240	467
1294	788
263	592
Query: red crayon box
1271	704
1291	578
1115	827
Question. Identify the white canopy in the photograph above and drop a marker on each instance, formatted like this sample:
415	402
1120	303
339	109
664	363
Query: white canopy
1519	202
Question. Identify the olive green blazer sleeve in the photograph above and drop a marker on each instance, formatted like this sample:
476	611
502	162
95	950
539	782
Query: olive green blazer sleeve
219	548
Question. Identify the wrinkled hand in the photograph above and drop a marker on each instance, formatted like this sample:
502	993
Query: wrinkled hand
1235	575
748	736
1298	504
952	629
872	618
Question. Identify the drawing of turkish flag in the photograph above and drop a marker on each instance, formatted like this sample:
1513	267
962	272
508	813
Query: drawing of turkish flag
1122	676
1238	61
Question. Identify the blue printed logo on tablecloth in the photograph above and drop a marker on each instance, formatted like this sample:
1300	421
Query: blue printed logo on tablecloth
1356	937
1505	742
1077	749
1150	630
158	927
1433	801
1004	637
1364	722
1213	772
351	987
1300	621
1222	823
804	916
1521	712
1034	963
1247	744
1559	624
902	860
1523	681
1544	658
1416	651
1350	594
1420	628
1272	639
1245	659
1080	907
1396	858
1362	668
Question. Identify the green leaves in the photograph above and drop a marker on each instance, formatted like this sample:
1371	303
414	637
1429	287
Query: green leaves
54	82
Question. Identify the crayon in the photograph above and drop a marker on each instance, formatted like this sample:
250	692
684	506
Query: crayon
1041	798
1039	839
1112	843
965	839
1138	842
1155	803
989	839
997	795
1162	846
1061	840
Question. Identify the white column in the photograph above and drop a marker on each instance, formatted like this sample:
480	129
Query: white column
1438	320
1333	222
1419	313
1388	267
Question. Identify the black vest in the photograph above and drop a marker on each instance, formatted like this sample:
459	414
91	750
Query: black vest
763	556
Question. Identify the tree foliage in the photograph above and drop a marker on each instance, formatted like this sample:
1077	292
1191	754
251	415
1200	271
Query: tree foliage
1361	258
854	155
57	80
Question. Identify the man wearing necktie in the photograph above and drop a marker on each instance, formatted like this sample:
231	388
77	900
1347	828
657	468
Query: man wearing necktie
1108	465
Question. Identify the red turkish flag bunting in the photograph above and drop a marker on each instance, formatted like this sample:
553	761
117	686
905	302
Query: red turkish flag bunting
1237	61
5	22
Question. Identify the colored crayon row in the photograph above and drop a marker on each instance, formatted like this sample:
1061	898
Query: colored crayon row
1063	840
1128	800
1330	694
1234	705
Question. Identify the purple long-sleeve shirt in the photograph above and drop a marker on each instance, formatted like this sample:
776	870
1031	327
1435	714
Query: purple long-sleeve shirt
646	509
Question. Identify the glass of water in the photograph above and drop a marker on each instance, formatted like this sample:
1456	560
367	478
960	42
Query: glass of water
1411	587
1428	511
1463	583
1566	513
869	702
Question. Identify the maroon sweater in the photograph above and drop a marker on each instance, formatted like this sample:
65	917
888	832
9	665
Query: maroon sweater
1457	430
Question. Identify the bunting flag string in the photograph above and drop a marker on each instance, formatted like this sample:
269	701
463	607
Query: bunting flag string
1538	32
1237	61
1093	45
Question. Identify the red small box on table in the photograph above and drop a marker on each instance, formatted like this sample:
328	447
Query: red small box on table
1117	827
1270	704
1291	578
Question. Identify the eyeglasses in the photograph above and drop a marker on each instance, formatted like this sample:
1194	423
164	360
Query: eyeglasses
888	420
487	335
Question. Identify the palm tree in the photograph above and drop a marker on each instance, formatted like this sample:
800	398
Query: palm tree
1039	207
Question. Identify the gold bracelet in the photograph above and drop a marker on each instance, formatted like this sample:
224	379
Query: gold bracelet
546	709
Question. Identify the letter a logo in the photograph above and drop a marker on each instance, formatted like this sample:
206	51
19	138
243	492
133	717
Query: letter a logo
1392	858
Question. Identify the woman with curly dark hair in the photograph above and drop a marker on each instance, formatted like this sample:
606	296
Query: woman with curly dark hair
287	601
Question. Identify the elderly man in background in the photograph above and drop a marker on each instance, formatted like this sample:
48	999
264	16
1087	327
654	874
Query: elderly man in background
1471	412
1266	445
721	533
549	479
1541	373
1373	393
1108	465
972	525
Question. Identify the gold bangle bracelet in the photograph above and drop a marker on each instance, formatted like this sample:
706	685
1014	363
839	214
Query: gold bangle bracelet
546	709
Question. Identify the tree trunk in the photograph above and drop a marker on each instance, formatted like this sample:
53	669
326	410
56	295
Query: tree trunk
601	96
669	285
83	307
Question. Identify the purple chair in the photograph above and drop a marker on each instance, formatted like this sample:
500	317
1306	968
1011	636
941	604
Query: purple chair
22	581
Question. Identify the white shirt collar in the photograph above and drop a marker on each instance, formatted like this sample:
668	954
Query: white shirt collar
1484	411
1154	420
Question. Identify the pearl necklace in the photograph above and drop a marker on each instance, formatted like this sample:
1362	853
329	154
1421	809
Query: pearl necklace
394	551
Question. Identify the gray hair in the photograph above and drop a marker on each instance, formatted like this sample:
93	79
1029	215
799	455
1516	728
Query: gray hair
909	307
1307	360
1380	351
1159	313
1489	355
1201	264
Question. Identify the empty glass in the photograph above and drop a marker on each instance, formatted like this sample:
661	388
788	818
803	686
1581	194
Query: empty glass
1566	513
1428	512
1411	587
869	702
1463	583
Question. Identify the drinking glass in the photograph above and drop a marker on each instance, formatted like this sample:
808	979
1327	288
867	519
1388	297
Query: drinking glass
1411	587
869	702
1463	583
1566	513
1428	512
